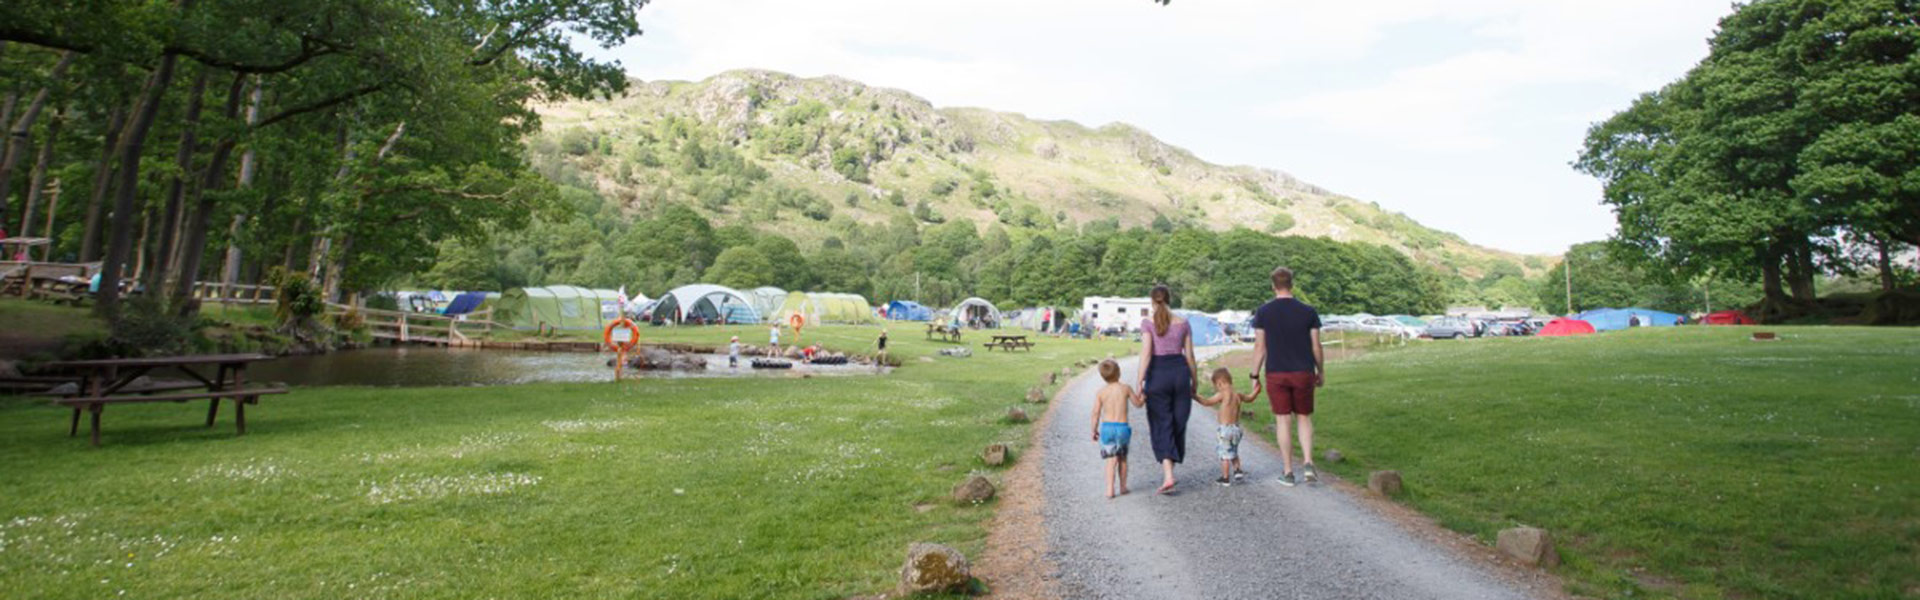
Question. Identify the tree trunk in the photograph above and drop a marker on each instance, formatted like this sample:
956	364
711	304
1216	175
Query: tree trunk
1800	273
38	179
194	246
176	189
1770	276
230	272
337	265
22	132
102	181
132	142
1885	263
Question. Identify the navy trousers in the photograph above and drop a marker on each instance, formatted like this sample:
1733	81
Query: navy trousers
1169	401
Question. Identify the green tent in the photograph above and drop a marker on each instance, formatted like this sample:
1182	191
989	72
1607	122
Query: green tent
557	306
823	307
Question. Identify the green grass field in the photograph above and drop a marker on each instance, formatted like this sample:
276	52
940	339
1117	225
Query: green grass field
687	488
1686	462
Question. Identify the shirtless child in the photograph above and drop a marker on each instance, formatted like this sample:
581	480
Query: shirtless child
1227	440
1110	426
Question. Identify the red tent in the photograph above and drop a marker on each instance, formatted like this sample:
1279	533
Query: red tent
1565	326
1727	317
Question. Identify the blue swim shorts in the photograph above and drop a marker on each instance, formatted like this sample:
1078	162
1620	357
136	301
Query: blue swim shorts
1114	438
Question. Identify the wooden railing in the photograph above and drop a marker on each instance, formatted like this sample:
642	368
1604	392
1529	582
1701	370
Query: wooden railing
423	328
236	293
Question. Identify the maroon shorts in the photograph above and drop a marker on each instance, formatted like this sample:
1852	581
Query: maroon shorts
1290	393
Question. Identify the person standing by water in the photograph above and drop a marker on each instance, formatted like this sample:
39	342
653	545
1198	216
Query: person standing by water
1287	348
1166	379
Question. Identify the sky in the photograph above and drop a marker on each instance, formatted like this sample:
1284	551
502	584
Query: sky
1463	114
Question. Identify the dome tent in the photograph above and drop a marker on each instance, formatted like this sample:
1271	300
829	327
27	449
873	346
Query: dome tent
908	310
1564	327
1206	330
557	306
1610	319
975	312
827	307
710	303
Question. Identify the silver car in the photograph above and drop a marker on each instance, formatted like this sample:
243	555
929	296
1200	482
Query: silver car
1450	328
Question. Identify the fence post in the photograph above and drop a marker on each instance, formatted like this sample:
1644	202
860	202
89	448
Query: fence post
403	328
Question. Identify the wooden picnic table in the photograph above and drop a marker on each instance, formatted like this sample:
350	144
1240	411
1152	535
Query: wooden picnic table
1009	343
104	382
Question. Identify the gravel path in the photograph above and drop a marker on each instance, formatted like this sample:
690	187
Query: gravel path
1256	539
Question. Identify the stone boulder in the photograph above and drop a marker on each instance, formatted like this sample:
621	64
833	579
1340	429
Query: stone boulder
1385	483
1036	394
995	455
1015	415
9	369
1530	545
793	352
933	568
1332	456
974	489
1050	379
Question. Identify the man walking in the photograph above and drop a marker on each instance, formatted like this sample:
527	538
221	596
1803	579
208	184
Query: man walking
1287	351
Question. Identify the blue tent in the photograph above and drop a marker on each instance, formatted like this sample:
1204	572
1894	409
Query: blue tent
1610	319
908	310
465	303
1206	330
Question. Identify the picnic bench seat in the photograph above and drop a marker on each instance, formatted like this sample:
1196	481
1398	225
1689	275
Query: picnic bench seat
241	398
1009	343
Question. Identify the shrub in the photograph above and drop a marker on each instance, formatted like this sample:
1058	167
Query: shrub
145	327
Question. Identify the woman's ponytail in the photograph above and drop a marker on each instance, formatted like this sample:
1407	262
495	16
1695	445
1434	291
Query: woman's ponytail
1162	315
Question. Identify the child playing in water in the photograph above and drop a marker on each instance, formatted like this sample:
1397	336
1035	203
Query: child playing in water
1227	439
1110	426
773	341
733	352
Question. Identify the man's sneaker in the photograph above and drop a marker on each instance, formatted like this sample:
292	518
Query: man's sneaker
1308	474
1223	481
1239	475
1286	480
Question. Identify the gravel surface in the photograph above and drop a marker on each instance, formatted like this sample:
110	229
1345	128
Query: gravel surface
1256	539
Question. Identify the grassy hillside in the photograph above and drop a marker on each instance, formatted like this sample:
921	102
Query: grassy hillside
762	148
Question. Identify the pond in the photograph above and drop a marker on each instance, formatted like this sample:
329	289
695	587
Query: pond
402	366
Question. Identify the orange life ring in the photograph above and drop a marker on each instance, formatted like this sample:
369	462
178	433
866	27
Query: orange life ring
796	321
607	336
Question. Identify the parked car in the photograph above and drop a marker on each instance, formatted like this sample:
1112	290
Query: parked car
1339	323
1386	326
1450	328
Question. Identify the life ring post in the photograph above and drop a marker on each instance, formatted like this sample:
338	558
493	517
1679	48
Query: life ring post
623	346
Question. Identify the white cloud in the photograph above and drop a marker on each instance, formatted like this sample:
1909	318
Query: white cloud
1345	94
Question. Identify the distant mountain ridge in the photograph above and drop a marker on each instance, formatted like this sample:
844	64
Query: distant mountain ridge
844	150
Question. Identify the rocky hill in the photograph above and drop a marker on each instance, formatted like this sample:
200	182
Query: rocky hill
800	154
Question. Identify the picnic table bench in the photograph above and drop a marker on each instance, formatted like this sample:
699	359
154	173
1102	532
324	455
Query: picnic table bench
1009	343
945	333
111	381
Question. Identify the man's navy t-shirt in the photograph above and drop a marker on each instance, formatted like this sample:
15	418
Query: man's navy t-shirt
1287	323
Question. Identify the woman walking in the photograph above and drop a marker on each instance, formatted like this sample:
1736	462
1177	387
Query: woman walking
1166	378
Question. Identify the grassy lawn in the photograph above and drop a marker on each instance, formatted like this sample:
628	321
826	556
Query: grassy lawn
32	328
1685	462
687	488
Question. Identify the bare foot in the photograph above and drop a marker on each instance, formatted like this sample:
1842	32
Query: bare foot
1165	487
1110	494
1124	490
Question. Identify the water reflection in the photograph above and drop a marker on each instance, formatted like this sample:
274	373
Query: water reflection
424	366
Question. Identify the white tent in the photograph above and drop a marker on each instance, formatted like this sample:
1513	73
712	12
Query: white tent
707	302
766	300
975	312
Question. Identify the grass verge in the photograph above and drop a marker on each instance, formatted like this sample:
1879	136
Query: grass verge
1673	462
